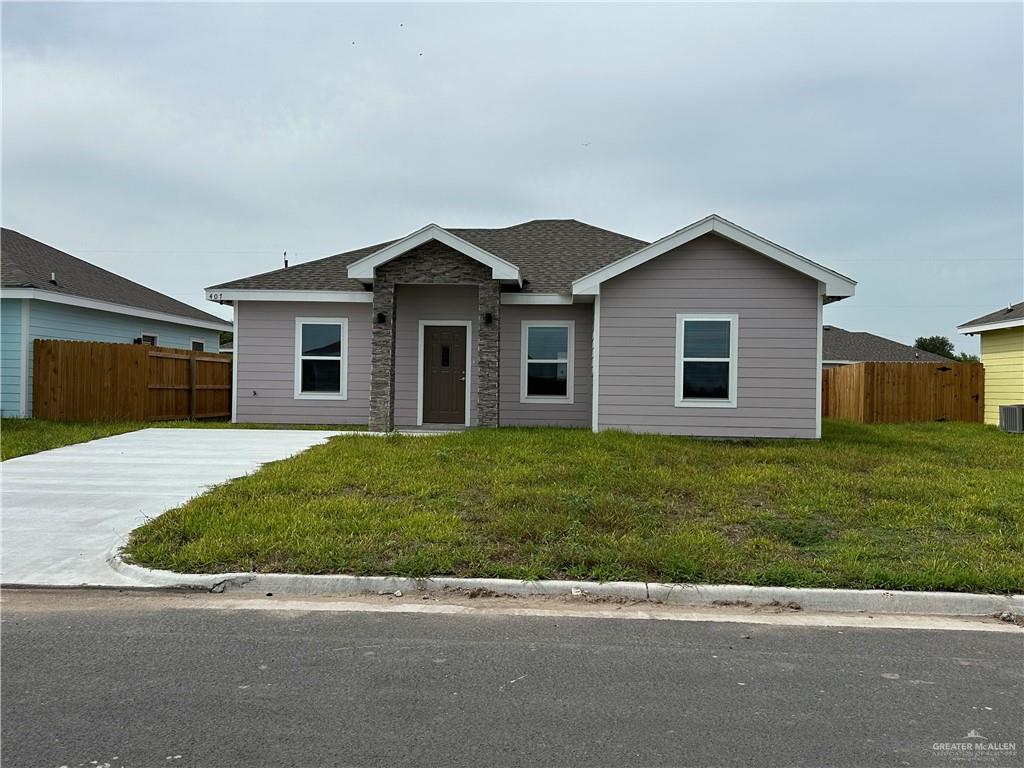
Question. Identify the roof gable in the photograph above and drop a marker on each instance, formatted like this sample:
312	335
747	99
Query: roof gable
836	285
363	269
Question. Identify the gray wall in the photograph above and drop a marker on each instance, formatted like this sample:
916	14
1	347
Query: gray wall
428	302
778	321
515	413
265	357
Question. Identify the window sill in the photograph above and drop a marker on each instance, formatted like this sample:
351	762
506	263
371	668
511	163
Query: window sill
568	400
705	404
319	396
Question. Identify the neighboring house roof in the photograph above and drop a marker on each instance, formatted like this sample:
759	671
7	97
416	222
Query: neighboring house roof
1007	317
550	255
28	264
840	345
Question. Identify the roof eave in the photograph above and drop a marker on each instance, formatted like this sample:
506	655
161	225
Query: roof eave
37	294
969	329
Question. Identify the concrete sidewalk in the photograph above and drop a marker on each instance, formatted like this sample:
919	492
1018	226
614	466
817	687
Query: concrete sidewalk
65	510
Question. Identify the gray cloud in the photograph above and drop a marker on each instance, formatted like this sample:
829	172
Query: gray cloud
186	144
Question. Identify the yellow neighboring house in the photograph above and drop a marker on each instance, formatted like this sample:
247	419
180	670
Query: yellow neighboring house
1002	353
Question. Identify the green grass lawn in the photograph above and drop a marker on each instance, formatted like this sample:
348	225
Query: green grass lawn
922	506
19	437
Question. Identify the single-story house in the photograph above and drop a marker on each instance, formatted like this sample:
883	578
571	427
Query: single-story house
842	347
1002	354
711	330
48	294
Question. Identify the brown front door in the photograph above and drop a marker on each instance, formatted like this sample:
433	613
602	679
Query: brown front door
444	374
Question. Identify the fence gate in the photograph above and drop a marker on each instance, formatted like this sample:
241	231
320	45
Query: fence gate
96	381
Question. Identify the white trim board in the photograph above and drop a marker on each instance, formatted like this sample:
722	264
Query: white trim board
363	269
595	364
468	324
254	294
536	298
999	325
835	283
235	346
819	340
106	306
342	394
570	361
26	348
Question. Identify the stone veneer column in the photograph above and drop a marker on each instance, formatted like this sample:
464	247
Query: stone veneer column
488	351
382	363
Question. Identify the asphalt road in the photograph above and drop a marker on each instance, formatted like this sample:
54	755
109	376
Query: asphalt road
91	679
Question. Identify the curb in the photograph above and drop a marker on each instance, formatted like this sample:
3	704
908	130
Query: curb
827	600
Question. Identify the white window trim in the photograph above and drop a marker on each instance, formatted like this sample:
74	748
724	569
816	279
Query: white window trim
691	402
299	394
468	325
570	361
193	341
156	338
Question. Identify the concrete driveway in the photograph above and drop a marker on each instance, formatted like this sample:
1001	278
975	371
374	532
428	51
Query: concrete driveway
65	510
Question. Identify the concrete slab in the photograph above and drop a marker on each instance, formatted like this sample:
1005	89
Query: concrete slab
65	510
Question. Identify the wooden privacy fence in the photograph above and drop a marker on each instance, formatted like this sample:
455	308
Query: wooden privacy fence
95	381
889	393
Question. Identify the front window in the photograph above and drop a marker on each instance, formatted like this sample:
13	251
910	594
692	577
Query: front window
706	366
320	358
547	362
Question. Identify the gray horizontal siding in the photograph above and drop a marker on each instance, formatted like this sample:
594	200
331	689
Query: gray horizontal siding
777	368
515	413
428	302
265	357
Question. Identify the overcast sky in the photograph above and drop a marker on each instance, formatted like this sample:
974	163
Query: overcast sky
184	145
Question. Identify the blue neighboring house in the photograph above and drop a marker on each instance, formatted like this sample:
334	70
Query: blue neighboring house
48	294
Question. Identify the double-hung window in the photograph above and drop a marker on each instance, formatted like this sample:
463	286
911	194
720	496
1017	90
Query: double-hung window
546	370
321	348
706	351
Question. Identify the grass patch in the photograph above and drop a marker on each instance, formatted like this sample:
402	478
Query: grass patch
920	506
20	437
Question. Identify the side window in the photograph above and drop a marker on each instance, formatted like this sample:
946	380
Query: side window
320	352
198	345
150	339
706	348
546	372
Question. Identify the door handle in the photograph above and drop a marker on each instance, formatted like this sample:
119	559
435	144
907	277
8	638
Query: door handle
462	378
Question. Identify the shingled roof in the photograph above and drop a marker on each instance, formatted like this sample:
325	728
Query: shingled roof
28	263
859	347
1012	312
550	254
